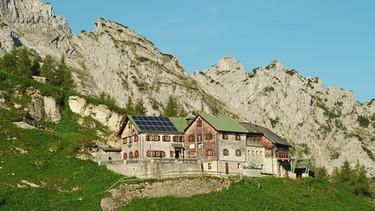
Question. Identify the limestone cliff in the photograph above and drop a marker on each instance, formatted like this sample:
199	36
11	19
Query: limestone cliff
325	124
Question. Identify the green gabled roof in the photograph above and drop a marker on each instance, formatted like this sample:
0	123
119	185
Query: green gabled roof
223	123
179	123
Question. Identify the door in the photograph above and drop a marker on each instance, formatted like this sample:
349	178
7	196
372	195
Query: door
177	153
227	168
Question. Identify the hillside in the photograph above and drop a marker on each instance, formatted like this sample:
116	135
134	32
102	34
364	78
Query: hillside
275	193
326	125
39	169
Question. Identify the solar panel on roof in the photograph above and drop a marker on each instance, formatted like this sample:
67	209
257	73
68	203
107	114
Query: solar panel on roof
154	123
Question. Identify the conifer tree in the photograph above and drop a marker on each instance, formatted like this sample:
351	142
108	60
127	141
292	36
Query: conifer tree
23	62
47	67
171	107
139	108
129	106
9	61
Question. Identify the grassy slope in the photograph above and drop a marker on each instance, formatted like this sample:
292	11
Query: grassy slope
275	194
46	158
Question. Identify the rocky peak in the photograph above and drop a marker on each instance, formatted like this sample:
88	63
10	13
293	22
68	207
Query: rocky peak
31	12
275	65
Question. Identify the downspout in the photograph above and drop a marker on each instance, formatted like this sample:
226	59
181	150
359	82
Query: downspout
217	152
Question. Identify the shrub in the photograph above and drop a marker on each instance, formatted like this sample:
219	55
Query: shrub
363	121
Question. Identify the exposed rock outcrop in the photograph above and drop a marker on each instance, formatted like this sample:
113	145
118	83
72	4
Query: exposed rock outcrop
44	107
101	113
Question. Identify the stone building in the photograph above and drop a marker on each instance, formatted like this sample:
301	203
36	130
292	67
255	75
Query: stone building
206	144
218	142
266	151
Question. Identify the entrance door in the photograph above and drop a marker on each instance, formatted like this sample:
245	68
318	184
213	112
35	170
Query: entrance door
177	153
227	168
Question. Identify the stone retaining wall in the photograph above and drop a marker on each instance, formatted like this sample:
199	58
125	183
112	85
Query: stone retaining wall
180	187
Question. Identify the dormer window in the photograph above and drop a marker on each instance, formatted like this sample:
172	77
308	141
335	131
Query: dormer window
199	123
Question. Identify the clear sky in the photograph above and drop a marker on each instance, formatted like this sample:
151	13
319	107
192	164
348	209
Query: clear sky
330	39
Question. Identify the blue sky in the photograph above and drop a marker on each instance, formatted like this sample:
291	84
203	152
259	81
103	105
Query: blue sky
330	39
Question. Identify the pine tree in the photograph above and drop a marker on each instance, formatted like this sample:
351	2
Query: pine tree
24	62
139	108
47	67
353	180
362	184
171	107
129	107
59	73
9	61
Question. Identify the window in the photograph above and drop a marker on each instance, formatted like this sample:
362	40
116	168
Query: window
191	138
135	138
124	141
178	139
225	152
199	137
155	138
166	138
238	153
130	155
171	154
209	152
147	137
125	156
209	136
238	137
209	166
225	136
129	125
155	153
192	154
136	154
199	123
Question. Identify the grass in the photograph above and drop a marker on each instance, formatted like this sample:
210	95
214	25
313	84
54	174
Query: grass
38	168
275	194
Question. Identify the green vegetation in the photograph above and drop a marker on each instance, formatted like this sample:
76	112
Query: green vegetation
363	121
26	63
274	194
300	150
135	108
291	72
274	122
353	180
39	169
268	89
173	108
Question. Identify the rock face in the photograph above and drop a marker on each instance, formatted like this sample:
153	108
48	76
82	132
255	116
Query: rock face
101	113
322	124
327	125
44	107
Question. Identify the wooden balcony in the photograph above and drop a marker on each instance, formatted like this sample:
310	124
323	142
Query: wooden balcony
280	155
